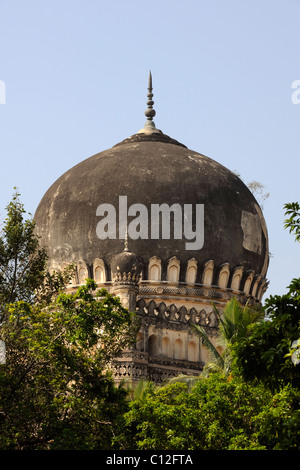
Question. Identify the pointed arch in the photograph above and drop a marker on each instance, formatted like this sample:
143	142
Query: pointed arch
99	270
248	282
83	272
154	269
208	272
224	275
165	346
256	284
191	271
153	345
178	349
173	269
192	351
237	277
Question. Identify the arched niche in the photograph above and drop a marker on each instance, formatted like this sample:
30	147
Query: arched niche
256	284
208	272
248	282
153	345
178	349
191	271
165	346
192	351
154	269
236	278
82	271
99	270
224	275
173	269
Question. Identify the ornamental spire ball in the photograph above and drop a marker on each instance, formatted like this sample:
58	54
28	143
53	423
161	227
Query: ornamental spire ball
150	112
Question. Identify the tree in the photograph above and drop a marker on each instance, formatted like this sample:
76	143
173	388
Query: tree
56	391
217	414
293	222
262	355
23	273
55	388
233	325
257	190
265	354
22	260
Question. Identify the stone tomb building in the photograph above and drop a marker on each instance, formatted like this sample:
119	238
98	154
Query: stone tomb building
169	281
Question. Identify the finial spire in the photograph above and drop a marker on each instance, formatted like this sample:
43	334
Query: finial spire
149	126
150	112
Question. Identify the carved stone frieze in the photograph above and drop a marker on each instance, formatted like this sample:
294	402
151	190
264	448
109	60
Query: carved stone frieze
215	292
174	318
134	366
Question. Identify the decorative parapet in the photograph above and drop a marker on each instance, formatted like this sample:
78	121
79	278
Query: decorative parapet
126	278
217	283
176	318
222	294
134	366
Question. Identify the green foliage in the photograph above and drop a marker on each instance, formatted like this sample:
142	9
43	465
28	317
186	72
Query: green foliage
142	389
22	261
293	222
54	390
23	274
234	325
217	414
263	354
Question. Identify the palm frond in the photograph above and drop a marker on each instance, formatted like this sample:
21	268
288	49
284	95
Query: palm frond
189	380
212	350
142	389
211	368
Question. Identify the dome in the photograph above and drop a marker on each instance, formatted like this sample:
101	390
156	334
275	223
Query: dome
175	202
126	268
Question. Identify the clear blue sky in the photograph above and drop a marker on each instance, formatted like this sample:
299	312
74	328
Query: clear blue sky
76	76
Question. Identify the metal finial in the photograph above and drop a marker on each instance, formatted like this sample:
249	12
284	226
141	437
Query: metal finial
150	112
149	127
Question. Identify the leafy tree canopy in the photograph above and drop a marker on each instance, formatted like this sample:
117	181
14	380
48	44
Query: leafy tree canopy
23	273
217	414
262	355
266	354
55	390
292	210
234	324
22	261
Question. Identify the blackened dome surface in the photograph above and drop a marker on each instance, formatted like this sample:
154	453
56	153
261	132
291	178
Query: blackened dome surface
126	262
152	170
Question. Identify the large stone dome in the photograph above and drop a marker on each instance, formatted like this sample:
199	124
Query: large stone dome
151	168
